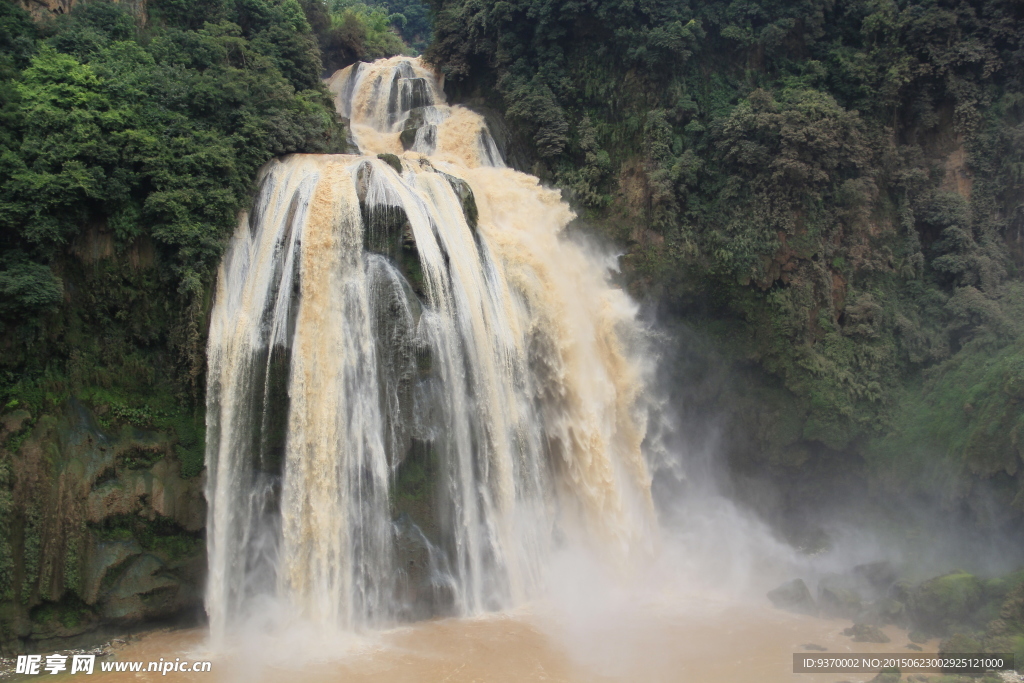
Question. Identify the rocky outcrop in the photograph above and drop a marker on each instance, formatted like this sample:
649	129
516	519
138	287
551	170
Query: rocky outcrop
99	528
47	9
968	613
44	9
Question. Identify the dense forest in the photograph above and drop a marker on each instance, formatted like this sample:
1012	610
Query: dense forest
825	199
131	135
829	194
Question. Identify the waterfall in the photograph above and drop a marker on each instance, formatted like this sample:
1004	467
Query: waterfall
418	387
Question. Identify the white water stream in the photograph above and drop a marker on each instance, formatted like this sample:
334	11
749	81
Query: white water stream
418	388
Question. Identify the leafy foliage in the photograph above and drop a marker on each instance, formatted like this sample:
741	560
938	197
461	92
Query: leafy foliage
413	21
168	135
27	287
839	185
127	154
350	31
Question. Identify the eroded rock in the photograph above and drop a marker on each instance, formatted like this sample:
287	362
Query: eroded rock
95	504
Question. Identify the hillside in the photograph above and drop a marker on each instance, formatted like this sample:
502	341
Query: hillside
827	194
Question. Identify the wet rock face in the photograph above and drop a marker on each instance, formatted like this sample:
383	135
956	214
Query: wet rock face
98	529
419	131
387	229
415	93
42	9
465	194
424	589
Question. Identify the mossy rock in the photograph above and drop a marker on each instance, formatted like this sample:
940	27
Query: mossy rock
139	458
387	231
65	618
866	633
386	228
417	119
465	194
944	603
391	160
408	138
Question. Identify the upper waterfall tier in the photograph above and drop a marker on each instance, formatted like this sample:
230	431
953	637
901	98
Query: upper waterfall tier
396	105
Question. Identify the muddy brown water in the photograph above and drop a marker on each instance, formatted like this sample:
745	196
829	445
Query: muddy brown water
697	640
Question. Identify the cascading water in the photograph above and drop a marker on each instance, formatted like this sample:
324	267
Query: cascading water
417	387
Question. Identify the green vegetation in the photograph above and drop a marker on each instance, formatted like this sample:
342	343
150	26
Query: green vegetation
160	536
157	135
127	155
349	30
70	612
128	146
129	143
412	20
834	191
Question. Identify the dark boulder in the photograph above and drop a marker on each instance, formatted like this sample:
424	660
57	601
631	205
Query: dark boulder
391	160
866	633
465	194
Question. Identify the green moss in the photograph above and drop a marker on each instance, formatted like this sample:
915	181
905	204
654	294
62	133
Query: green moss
114	573
16	439
70	612
392	161
31	552
192	460
72	560
141	406
161	536
115	529
137	458
960	644
1017	648
175	547
190	431
412	269
6	549
948	602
